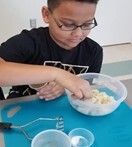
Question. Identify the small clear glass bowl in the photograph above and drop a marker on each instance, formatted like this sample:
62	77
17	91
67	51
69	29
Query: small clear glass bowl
81	137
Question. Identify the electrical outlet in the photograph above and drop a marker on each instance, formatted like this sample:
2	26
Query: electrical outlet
33	23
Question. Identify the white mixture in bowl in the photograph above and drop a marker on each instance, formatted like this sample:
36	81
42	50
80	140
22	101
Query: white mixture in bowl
100	97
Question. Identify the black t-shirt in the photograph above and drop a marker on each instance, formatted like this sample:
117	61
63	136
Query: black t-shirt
1	94
37	47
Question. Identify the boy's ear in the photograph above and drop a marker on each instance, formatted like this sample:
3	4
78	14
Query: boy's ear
45	14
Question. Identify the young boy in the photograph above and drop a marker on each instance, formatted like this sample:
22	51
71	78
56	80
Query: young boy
36	74
64	44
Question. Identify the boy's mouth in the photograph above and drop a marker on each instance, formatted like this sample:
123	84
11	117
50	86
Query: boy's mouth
75	40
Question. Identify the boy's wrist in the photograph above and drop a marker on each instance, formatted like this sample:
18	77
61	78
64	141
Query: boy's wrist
37	87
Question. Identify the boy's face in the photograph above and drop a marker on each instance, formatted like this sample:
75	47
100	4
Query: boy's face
69	13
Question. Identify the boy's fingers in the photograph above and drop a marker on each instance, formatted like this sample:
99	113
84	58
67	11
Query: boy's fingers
77	96
83	93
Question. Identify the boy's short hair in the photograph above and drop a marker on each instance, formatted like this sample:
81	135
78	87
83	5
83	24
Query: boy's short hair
52	4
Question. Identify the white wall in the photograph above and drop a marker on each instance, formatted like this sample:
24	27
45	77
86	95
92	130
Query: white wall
114	19
113	16
15	16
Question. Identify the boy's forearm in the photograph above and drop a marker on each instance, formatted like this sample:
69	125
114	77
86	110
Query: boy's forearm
19	74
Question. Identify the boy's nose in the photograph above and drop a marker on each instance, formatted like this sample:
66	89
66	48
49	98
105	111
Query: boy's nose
77	32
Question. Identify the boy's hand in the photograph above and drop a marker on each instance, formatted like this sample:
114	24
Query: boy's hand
50	91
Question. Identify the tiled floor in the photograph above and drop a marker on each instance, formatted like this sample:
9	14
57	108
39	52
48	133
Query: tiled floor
117	53
118	61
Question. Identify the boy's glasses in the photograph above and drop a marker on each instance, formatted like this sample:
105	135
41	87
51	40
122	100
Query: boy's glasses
70	27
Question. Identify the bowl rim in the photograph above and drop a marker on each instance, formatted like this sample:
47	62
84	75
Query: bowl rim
50	130
107	76
83	129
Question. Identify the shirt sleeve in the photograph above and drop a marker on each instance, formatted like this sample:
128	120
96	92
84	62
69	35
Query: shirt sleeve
97	60
17	49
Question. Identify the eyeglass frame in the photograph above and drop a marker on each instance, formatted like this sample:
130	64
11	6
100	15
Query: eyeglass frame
75	26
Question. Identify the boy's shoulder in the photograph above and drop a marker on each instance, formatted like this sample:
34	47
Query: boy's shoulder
91	43
35	35
36	31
